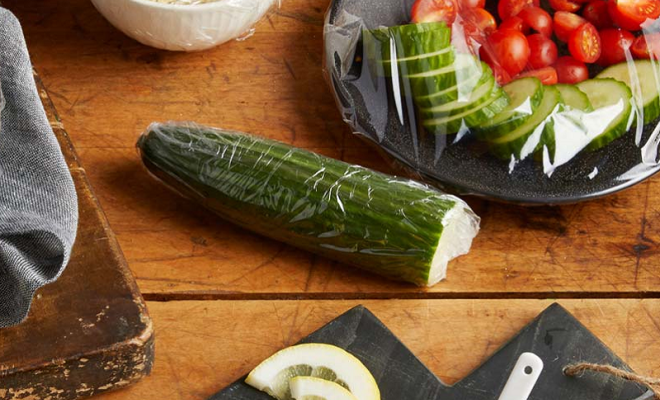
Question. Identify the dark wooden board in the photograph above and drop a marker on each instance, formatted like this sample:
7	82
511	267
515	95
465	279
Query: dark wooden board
555	336
90	331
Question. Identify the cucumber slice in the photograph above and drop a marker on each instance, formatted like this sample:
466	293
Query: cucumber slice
525	97
642	78
416	46
573	135
461	89
528	137
479	95
471	117
420	63
433	81
574	98
418	39
613	106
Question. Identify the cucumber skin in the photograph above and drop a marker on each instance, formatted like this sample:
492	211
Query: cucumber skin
651	110
383	224
514	148
616	131
486	132
498	104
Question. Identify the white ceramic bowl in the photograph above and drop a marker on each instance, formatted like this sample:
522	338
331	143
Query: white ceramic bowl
183	27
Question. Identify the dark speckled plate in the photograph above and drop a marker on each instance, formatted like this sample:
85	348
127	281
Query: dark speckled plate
465	167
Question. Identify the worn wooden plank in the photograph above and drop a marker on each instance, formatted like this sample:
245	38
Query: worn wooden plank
90	331
204	346
109	88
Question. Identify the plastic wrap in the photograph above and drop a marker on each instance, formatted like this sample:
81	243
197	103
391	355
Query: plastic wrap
391	226
185	25
439	98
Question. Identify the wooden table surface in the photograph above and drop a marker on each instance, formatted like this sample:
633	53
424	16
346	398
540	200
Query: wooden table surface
222	298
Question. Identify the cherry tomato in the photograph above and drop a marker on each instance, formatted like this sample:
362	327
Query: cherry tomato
647	46
585	44
501	76
472	4
510	8
564	5
516	23
615	43
480	19
596	13
566	23
631	14
538	19
547	75
543	51
434	11
509	49
570	70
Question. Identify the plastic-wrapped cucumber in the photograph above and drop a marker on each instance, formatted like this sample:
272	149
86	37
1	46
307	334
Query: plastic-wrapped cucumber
391	226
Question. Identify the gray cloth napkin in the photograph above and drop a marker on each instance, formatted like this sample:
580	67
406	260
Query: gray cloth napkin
38	203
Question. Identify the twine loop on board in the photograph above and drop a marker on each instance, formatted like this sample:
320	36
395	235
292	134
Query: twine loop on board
576	370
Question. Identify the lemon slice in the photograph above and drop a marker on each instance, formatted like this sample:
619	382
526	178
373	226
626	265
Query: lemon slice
308	388
316	360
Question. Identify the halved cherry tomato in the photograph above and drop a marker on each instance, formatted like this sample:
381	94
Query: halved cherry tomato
516	23
507	48
538	19
547	75
509	8
543	51
434	11
585	44
480	19
471	3
631	14
647	46
615	43
564	5
566	23
570	70
596	13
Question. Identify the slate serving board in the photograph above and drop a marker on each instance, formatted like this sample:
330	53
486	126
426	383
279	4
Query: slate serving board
555	336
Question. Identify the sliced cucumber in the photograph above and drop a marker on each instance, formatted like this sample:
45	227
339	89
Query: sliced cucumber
433	81
574	98
420	63
471	117
571	121
418	39
528	137
479	95
525	97
461	89
642	78
612	101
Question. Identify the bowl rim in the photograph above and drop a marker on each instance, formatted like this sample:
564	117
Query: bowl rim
187	7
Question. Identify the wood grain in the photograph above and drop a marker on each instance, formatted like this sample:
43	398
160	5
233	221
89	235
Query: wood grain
108	88
204	346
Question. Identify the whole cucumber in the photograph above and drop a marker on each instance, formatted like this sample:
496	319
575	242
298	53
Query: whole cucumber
394	227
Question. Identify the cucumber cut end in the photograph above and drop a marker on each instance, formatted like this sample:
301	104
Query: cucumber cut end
461	226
